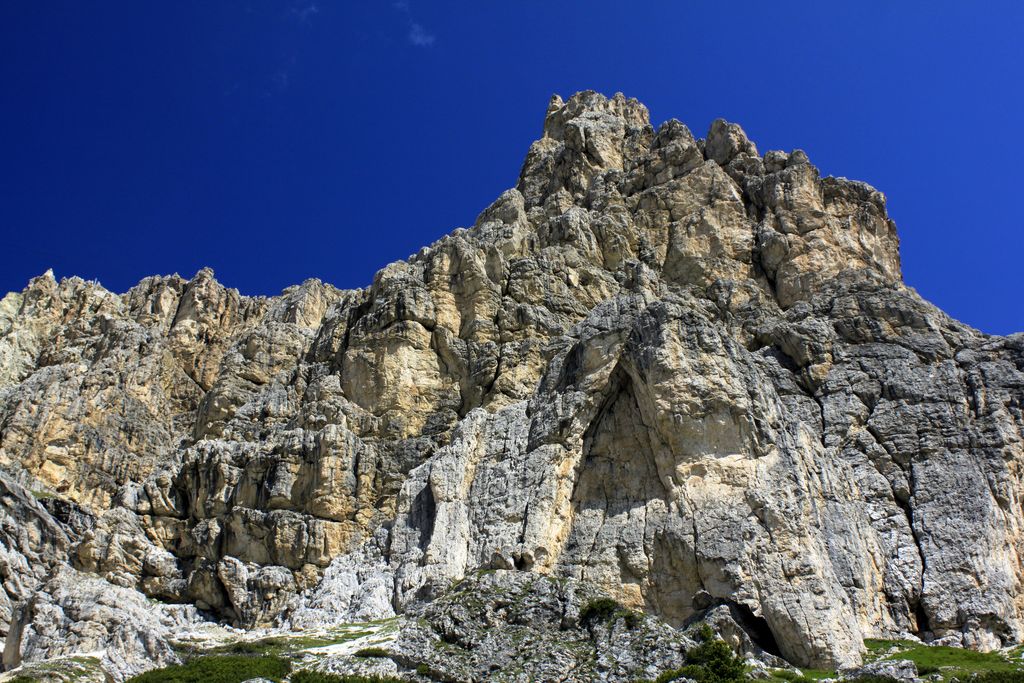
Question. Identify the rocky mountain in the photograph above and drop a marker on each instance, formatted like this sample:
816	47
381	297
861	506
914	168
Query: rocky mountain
671	370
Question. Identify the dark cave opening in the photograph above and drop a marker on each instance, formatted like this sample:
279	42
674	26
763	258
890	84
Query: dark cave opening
921	617
756	627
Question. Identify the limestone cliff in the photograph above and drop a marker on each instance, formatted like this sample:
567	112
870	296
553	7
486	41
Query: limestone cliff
670	367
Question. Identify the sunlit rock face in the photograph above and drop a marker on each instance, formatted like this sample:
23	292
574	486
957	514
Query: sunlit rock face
672	367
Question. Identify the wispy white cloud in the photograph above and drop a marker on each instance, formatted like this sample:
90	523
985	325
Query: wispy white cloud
281	78
299	12
418	34
305	12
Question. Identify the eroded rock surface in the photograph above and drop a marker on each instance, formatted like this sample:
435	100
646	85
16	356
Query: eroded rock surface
673	368
510	626
76	613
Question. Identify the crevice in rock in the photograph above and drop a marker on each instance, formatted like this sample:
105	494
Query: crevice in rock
616	475
821	411
916	604
422	514
522	526
696	556
617	384
757	261
486	389
461	378
783	358
355	315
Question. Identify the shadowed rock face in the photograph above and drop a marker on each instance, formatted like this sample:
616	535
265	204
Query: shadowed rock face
670	366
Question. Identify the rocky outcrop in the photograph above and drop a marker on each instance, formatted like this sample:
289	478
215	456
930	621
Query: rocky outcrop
32	543
895	670
356	587
76	613
673	368
508	625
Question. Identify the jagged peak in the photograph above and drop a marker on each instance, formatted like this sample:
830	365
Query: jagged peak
593	105
204	274
725	141
45	280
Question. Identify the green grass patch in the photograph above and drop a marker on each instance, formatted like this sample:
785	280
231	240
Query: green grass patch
999	677
950	662
66	669
283	645
372	653
218	669
939	657
307	676
877	647
802	675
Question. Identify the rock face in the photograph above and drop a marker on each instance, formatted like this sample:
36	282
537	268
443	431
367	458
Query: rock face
670	367
32	543
76	613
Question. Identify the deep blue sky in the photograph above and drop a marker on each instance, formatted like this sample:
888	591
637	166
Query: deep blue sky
281	141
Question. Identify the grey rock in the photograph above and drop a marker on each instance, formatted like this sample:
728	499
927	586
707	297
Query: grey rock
358	586
32	543
521	626
75	614
897	669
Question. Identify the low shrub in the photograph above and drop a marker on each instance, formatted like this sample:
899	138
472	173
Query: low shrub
247	647
271	646
599	610
604	610
368	652
712	661
218	669
631	618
